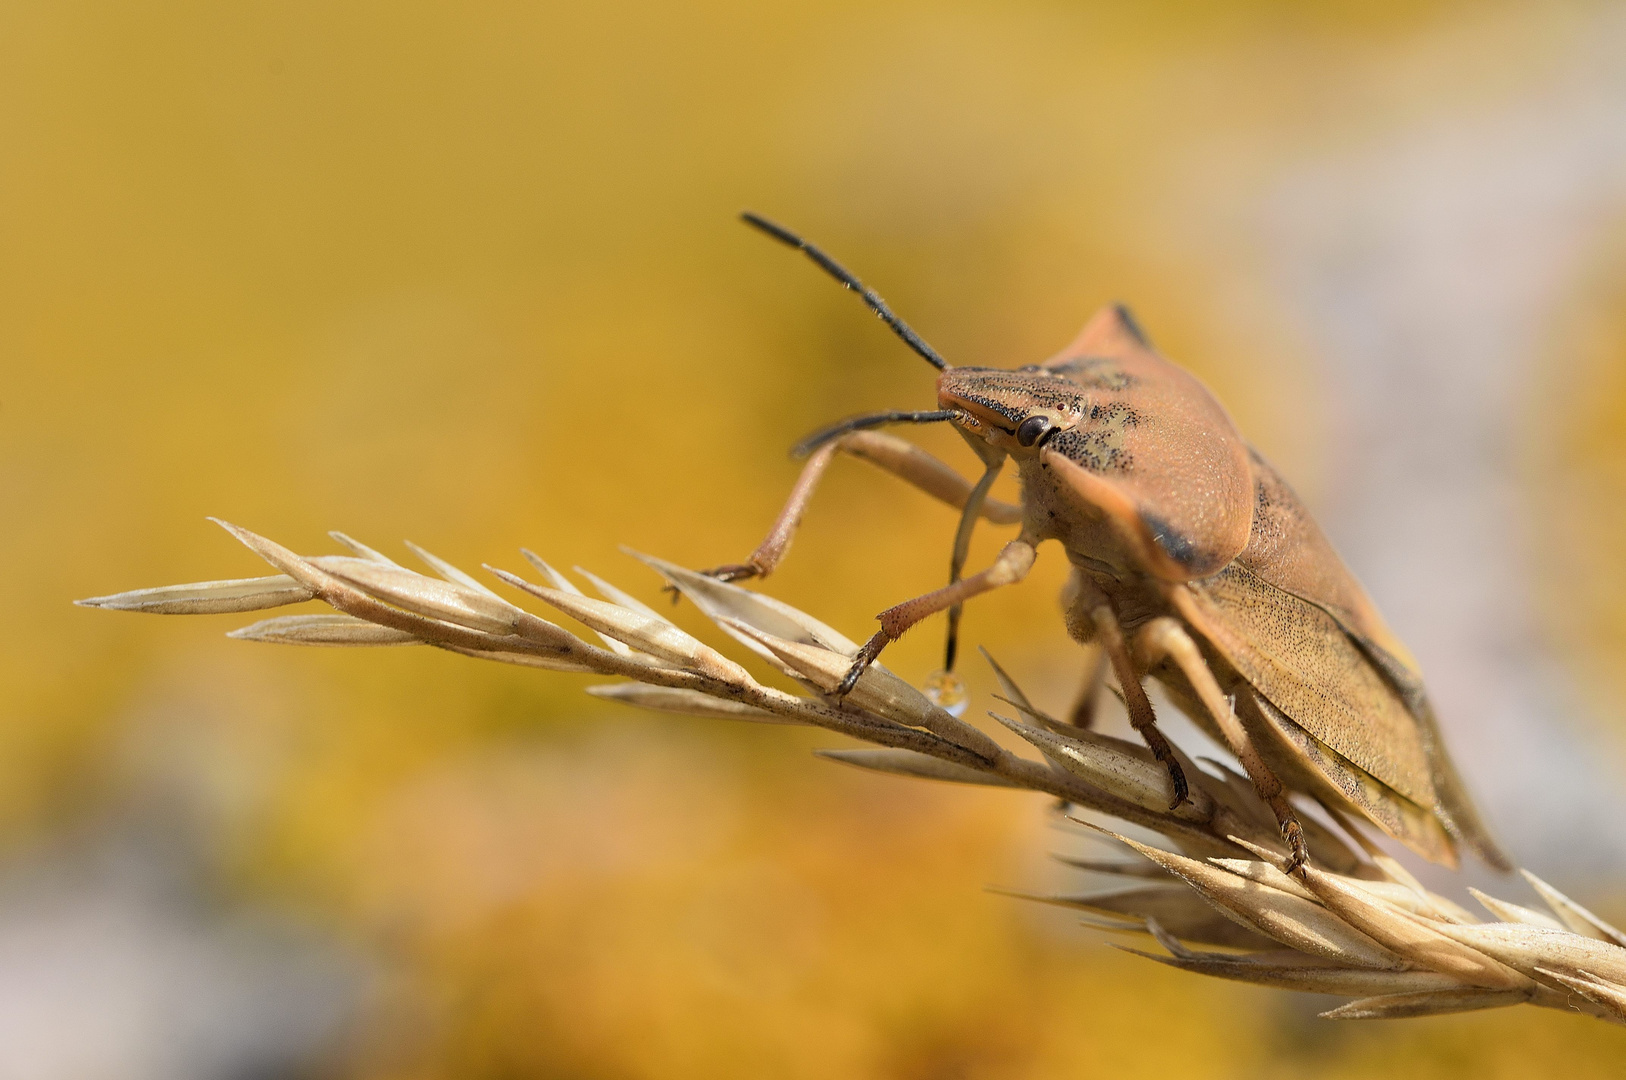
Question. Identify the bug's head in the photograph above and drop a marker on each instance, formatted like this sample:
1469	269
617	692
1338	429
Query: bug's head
1014	411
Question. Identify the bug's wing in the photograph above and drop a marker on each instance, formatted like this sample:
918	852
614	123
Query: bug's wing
1339	721
1296	625
1301	660
1313	763
1306	764
1155	451
1288	551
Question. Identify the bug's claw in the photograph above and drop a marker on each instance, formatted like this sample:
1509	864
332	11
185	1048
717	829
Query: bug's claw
865	657
1177	778
730	572
1298	851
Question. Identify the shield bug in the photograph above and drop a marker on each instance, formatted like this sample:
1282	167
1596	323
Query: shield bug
1193	563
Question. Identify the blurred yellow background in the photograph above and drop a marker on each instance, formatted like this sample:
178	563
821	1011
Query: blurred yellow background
469	274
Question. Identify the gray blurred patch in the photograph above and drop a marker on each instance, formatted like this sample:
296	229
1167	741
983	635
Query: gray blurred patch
114	962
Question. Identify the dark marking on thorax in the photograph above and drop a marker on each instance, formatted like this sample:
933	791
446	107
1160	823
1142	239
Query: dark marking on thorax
1095	373
1100	442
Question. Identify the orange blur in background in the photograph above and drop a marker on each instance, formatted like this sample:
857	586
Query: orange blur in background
470	275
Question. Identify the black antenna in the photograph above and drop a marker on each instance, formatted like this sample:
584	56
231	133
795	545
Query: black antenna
841	274
869	420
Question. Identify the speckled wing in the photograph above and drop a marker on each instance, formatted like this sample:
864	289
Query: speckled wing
1154	450
1296	625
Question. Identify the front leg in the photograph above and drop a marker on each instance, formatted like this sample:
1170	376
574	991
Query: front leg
762	561
1012	565
902	459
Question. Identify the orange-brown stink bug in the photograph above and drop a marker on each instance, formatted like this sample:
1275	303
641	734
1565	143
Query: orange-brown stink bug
1193	563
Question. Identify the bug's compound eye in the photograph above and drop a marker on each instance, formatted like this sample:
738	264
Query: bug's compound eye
1029	430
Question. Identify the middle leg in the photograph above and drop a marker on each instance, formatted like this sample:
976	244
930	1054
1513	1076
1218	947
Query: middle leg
962	547
1142	718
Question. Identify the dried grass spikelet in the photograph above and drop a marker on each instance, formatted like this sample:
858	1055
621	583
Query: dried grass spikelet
1352	923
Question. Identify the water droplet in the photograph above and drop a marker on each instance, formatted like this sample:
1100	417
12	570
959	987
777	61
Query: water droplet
947	691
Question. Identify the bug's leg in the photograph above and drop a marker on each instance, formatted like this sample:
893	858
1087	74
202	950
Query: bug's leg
1163	637
902	459
1012	565
1083	714
915	466
762	561
962	547
1141	715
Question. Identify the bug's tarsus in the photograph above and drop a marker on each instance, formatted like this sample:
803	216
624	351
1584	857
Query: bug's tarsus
869	420
733	572
861	662
850	280
1298	851
1158	745
1177	774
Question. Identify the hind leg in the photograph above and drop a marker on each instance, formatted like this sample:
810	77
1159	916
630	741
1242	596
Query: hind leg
1163	637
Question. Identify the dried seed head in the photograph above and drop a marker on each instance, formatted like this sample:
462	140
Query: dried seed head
1369	930
653	636
322	630
719	600
671	699
1402	933
1265	873
426	596
916	764
1573	915
1308	979
448	571
1528	949
1515	913
1295	922
1427	1003
878	690
207	597
1139	868
532	660
1611	998
564	584
616	596
358	548
1113	765
1178	913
